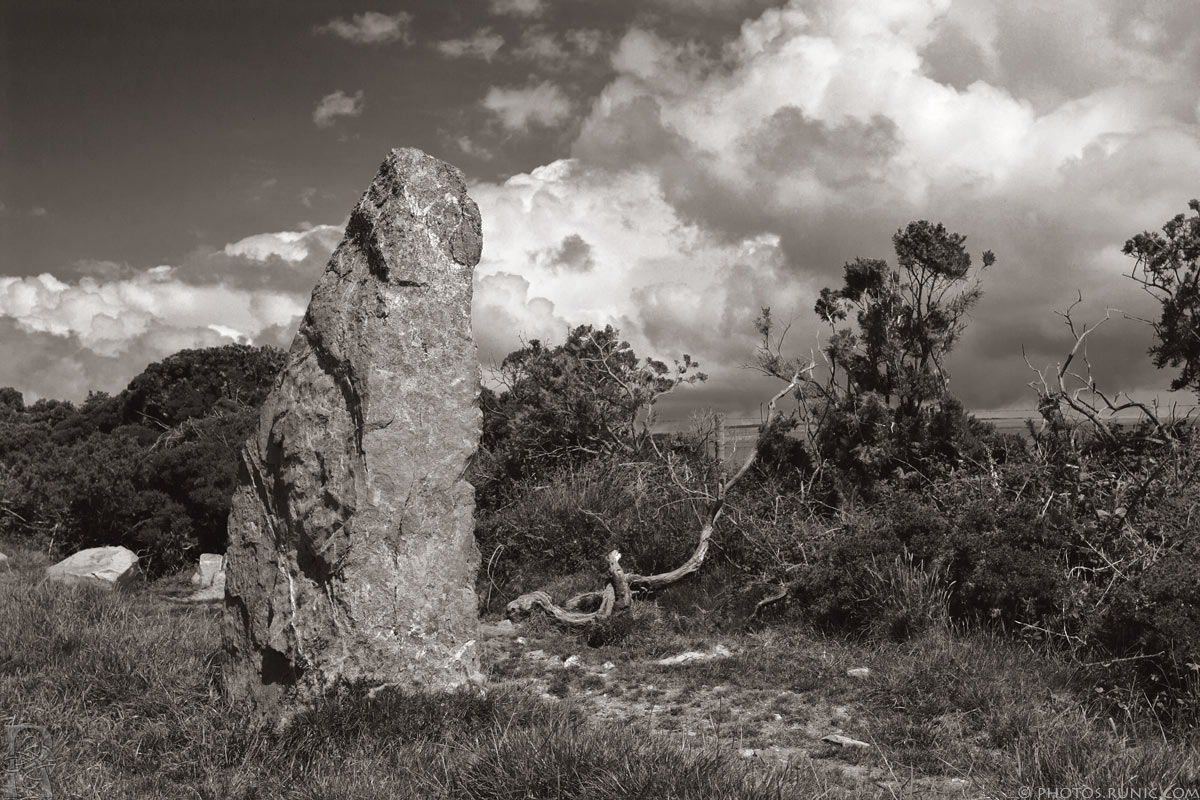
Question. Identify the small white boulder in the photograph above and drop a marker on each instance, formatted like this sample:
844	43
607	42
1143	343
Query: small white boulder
210	577
108	567
210	570
693	656
843	741
859	672
503	628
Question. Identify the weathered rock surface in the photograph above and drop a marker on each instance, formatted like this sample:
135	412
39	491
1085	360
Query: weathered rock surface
210	570
107	567
351	555
210	578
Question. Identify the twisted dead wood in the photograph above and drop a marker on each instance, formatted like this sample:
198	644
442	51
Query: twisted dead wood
615	598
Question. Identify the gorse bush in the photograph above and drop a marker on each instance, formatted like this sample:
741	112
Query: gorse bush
567	521
152	468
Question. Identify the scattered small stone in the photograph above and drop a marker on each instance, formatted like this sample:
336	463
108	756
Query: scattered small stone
843	741
608	665
572	662
840	712
522	640
720	651
779	717
536	655
859	672
501	629
746	752
4	560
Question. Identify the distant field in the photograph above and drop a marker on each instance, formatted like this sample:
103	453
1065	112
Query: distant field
741	432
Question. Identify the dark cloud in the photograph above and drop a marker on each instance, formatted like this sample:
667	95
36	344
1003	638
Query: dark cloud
954	58
573	255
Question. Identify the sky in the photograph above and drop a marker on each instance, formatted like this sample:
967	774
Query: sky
176	175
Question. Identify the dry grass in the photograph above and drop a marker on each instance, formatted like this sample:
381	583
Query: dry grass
125	683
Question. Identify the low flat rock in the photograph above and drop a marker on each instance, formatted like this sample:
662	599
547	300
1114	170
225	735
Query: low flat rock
107	567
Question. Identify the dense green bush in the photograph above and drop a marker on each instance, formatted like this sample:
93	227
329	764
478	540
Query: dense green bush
566	522
152	468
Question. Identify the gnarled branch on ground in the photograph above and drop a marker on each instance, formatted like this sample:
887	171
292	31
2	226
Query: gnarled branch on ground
589	608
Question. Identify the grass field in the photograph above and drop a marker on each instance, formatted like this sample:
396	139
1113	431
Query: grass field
128	688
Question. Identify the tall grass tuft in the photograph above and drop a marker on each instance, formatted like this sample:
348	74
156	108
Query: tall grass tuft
904	598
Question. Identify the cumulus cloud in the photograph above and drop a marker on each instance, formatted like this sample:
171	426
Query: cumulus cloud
552	50
518	109
707	183
292	246
483	44
372	27
106	317
97	332
1048	137
568	245
338	104
517	8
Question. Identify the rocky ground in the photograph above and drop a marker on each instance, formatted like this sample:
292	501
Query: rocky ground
771	697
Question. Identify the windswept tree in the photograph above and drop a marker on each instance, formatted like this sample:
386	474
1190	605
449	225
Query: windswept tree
907	319
1167	265
882	401
591	395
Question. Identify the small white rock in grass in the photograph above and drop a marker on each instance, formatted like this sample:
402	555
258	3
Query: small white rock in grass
572	662
107	567
608	665
843	741
692	656
4	560
859	672
500	630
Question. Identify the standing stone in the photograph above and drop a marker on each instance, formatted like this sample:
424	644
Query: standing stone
352	556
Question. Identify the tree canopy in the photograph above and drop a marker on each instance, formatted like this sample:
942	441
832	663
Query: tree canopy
1167	265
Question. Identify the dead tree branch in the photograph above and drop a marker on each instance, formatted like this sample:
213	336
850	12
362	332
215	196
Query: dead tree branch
616	597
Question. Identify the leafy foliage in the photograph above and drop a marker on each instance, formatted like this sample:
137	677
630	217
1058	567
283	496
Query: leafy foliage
564	405
152	468
881	407
907	319
1168	266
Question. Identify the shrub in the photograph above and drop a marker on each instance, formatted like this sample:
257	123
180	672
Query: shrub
905	598
567	521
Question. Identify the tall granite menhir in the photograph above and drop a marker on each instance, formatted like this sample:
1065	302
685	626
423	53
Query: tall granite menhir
352	557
